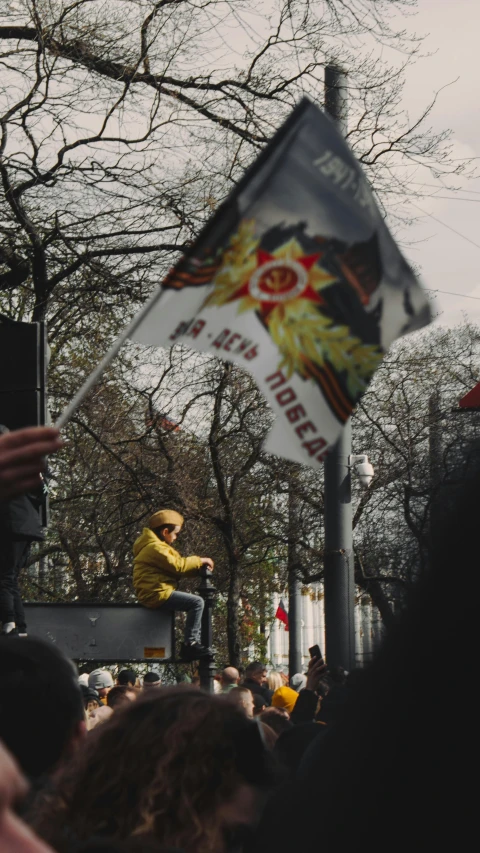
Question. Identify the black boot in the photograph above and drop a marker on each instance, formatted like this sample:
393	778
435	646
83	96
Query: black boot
194	651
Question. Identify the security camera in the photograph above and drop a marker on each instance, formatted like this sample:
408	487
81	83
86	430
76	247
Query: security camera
363	469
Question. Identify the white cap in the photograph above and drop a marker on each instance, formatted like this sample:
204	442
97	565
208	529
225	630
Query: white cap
100	679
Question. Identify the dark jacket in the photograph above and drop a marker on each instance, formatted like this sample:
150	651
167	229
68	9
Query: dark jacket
305	707
292	745
259	689
20	519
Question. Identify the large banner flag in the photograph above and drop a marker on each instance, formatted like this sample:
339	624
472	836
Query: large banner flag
297	279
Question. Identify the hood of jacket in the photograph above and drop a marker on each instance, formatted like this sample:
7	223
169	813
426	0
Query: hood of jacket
147	537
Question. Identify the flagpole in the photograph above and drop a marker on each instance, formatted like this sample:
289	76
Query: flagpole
93	378
339	580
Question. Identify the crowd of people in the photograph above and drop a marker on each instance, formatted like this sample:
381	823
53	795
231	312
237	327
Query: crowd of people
98	761
186	769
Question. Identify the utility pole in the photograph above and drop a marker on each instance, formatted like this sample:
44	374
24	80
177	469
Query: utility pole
339	570
294	581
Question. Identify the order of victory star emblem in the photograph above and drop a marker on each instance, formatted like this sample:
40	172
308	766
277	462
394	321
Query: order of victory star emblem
268	281
280	279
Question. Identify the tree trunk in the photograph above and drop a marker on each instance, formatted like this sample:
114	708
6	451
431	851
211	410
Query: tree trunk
233	615
374	589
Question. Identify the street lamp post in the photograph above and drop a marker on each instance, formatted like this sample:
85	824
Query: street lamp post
339	570
206	667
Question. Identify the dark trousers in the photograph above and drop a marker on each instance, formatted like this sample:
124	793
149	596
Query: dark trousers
13	557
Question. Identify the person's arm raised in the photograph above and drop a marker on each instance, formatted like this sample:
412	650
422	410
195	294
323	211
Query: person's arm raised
22	458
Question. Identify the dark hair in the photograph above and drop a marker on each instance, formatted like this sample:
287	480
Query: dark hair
337	674
118	695
40	703
126	677
137	844
151	678
255	666
164	767
158	530
276	720
259	702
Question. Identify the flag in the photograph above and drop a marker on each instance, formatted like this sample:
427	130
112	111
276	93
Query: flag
282	614
297	279
159	420
472	399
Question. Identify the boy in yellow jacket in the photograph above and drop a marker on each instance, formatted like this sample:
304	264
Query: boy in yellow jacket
157	568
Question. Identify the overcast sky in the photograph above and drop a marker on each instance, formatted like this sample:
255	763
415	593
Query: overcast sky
448	262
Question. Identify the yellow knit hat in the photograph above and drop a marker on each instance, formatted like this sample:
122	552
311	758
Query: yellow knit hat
285	697
164	517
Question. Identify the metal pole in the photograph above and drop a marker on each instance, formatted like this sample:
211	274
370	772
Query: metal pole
339	569
206	667
339	580
294	624
294	581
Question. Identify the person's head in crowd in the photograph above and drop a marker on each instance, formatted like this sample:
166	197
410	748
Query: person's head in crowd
151	679
277	721
285	698
298	681
101	680
15	835
42	717
242	697
274	680
178	764
196	681
83	679
337	674
127	678
229	678
91	699
256	671
120	696
259	704
139	844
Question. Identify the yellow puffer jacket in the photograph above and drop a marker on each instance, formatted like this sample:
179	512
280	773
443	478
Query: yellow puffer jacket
157	567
